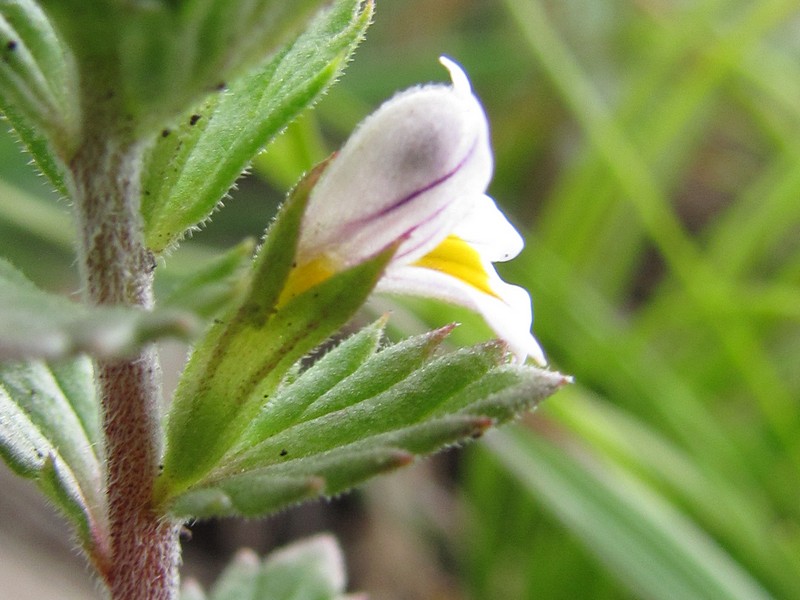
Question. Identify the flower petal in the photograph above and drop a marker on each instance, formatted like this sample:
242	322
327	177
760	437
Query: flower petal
415	174
488	230
507	311
404	166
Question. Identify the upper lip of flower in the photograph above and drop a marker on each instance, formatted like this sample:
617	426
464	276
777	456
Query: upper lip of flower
353	215
432	185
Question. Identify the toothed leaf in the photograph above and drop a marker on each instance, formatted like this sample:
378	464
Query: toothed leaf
337	380
357	413
250	496
244	355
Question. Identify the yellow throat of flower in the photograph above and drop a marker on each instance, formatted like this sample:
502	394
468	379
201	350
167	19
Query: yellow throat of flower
453	256
304	277
457	258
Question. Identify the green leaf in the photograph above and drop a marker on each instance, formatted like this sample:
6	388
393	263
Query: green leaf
651	546
244	355
196	161
317	392
36	324
151	60
358	413
38	87
252	496
240	363
311	569
403	404
50	432
211	288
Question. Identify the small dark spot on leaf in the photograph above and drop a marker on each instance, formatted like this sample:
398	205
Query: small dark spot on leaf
194	119
147	192
11	45
294	265
220	86
165	132
284	452
218	321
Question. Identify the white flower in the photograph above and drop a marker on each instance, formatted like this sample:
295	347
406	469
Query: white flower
415	171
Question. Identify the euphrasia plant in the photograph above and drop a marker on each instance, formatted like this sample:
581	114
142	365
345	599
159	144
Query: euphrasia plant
144	114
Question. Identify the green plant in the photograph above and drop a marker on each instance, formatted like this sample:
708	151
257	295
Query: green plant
144	115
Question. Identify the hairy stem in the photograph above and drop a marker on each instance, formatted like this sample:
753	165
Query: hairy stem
117	269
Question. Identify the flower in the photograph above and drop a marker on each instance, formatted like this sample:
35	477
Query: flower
415	172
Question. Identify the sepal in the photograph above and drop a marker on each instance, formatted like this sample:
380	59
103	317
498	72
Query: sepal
246	353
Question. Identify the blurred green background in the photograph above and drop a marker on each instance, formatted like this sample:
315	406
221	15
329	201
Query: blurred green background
650	149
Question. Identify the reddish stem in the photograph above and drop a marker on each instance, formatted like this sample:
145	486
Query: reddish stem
117	269
144	549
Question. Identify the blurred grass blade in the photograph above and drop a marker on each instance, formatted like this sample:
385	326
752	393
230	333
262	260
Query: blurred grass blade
705	286
36	216
652	548
735	514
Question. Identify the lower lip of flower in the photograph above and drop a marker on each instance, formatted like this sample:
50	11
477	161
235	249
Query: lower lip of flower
457	258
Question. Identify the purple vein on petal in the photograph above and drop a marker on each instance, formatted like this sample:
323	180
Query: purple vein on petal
423	241
416	193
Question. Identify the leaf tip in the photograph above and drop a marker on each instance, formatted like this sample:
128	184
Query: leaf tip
192	590
398	459
478	426
246	558
315	485
552	381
